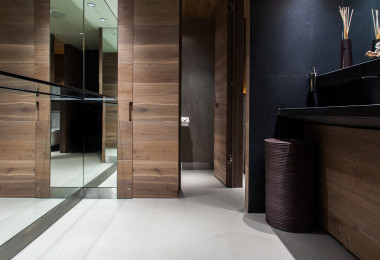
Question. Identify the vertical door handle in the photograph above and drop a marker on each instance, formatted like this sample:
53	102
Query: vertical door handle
130	111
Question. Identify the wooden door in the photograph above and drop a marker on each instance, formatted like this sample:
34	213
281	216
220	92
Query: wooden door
228	109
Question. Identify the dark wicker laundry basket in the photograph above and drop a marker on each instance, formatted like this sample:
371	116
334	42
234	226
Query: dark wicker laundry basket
290	181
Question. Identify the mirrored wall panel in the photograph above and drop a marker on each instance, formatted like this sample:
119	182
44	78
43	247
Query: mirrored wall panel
84	130
362	32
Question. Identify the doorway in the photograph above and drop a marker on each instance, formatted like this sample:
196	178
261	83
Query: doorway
212	89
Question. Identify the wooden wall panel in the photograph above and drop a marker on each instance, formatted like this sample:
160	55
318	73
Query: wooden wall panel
349	182
17	110
42	72
156	98
222	170
199	9
125	68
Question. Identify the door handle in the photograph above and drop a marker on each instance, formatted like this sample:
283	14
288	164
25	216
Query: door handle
130	111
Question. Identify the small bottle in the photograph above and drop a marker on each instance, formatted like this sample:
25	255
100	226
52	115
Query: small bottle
313	79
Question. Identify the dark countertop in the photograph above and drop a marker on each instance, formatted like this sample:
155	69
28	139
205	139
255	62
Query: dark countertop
363	116
366	70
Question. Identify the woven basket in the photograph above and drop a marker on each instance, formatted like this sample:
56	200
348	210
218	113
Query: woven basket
290	185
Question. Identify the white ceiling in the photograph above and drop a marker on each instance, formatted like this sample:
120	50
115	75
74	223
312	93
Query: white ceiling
68	28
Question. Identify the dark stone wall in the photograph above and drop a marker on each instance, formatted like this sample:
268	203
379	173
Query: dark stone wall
288	38
197	144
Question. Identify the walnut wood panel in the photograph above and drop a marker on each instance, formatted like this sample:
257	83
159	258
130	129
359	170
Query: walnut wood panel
349	182
124	178
155	72
247	100
17	153
24	131
156	98
155	179
156	54
222	170
151	131
199	9
163	12
42	72
124	93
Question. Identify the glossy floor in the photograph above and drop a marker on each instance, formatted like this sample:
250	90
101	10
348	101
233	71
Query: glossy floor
18	213
207	222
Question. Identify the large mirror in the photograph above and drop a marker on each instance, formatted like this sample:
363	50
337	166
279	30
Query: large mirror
83	130
361	31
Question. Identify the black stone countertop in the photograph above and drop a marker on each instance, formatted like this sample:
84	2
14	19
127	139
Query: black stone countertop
366	70
363	116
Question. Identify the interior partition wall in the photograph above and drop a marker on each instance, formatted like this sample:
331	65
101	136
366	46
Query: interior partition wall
148	94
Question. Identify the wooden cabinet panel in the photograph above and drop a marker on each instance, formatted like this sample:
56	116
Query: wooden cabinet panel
349	182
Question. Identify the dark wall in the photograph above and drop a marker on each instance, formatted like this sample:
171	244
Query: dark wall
91	69
197	91
288	38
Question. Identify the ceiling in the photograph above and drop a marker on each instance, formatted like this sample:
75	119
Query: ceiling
67	27
198	9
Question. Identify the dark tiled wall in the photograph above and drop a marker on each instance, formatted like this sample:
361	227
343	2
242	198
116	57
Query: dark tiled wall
198	66
288	38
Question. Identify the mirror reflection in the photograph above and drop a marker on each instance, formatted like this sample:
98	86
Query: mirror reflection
361	30
84	130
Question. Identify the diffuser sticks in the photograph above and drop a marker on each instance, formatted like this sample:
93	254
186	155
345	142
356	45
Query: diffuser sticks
346	17
375	18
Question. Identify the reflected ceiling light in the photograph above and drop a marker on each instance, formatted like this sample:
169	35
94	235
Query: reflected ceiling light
103	19
57	15
91	4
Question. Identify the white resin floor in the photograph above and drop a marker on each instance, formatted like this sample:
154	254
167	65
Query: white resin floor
207	222
75	169
18	213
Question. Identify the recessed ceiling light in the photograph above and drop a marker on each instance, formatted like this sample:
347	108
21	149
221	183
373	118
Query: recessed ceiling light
91	4
114	34
103	19
81	33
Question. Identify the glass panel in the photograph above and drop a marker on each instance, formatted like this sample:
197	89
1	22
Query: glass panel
67	107
100	142
362	31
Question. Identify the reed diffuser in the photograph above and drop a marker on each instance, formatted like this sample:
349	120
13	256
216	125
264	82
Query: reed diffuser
346	18
375	18
346	46
376	27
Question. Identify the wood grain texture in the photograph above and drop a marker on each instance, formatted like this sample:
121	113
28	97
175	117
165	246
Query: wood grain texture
24	131
124	178
124	94
155	179
199	9
156	98
222	170
17	153
349	182
42	72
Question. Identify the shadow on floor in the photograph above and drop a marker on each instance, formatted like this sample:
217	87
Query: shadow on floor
311	246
